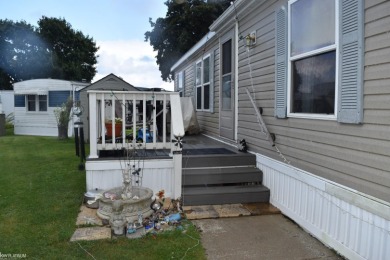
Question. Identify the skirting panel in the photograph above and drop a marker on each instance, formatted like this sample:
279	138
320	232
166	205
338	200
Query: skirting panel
352	223
155	174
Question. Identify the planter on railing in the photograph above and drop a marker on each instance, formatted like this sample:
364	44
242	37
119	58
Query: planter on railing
117	129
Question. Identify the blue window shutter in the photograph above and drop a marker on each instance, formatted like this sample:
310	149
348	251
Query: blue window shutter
351	57
281	63
57	98
20	100
212	82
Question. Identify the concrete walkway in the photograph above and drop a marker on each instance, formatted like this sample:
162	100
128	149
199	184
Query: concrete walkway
259	237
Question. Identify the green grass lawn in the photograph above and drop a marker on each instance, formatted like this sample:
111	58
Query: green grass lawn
41	190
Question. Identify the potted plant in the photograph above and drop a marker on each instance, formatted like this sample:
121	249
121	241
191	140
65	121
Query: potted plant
63	117
117	127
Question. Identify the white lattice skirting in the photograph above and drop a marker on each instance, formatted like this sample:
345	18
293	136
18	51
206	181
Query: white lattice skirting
354	224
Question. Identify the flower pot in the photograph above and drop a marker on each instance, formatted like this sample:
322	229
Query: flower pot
117	127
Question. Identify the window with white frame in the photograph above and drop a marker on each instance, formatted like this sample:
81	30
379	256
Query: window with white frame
319	60
203	83
180	83
312	58
36	103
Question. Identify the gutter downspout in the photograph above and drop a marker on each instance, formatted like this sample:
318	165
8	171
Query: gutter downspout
236	80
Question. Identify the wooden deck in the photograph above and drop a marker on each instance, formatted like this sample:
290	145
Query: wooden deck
193	145
201	141
215	172
211	172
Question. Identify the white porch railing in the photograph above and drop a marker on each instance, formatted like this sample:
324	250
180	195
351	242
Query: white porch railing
147	118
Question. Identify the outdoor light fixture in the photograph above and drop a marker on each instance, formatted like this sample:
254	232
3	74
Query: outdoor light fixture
250	39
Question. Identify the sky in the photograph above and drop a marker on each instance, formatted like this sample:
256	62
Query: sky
117	27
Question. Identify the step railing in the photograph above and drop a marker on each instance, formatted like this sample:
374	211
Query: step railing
147	120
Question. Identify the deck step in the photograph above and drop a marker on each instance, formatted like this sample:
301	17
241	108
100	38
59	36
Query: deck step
223	185
213	195
228	177
220	160
207	176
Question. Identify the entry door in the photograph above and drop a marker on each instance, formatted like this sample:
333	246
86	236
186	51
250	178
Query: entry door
227	89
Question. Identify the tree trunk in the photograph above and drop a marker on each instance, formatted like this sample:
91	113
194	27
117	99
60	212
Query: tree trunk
62	132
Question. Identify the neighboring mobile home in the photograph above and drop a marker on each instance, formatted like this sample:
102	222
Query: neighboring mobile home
35	101
319	123
7	101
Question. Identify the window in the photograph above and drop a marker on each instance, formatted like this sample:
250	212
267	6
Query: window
180	83
319	60
315	54
227	75
42	102
35	102
31	103
312	58
203	82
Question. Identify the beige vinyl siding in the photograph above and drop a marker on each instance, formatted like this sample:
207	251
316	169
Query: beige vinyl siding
357	156
189	82
208	121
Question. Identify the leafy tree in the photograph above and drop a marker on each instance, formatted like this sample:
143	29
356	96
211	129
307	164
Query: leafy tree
186	22
52	50
73	53
23	54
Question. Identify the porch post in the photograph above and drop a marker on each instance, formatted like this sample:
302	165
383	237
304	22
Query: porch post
177	133
92	126
177	169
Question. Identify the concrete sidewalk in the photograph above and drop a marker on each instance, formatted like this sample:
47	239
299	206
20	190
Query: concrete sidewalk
259	237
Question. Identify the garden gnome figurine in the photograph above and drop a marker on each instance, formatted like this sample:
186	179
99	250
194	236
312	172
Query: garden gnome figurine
117	220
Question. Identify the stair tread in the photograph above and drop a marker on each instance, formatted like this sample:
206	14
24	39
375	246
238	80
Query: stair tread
224	189
237	170
218	160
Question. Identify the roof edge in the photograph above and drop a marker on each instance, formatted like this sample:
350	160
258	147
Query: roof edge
193	49
230	11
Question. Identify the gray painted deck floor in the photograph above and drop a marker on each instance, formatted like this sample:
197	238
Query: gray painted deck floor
202	141
191	142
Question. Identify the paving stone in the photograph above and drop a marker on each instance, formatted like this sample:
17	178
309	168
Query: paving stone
200	212
88	216
231	210
91	233
261	208
167	203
